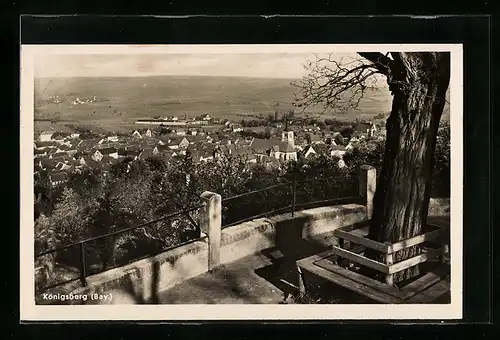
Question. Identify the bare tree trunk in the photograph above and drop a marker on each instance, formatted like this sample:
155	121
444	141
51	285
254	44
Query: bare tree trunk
419	82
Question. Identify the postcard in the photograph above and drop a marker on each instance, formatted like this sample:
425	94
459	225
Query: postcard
241	182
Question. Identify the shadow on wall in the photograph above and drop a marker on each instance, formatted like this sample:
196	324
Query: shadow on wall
133	290
290	246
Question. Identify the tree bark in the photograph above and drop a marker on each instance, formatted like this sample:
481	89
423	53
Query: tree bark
418	82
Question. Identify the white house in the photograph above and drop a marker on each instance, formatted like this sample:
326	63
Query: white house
45	136
172	145
40	153
251	159
100	153
366	128
316	139
184	143
57	178
97	156
112	139
237	128
136	134
309	151
62	166
338	150
160	149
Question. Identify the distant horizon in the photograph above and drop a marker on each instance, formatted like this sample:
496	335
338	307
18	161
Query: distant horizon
166	75
259	65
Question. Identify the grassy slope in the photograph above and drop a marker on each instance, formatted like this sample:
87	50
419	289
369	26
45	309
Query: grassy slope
127	99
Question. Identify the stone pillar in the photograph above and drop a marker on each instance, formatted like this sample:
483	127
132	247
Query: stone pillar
211	225
367	186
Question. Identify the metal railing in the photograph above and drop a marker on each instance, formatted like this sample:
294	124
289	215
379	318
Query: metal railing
291	196
81	244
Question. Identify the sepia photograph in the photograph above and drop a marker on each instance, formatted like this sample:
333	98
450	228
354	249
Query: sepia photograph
241	182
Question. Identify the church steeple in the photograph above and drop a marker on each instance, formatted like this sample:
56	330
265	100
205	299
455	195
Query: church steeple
287	135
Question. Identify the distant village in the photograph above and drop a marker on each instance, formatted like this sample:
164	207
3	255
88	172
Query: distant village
57	154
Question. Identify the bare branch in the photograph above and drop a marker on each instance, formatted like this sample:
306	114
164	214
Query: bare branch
337	85
381	62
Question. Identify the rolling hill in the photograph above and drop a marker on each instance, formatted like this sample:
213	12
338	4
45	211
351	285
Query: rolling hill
113	103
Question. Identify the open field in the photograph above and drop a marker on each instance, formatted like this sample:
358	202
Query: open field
121	101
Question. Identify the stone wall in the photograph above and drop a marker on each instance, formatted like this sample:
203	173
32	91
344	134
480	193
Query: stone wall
135	282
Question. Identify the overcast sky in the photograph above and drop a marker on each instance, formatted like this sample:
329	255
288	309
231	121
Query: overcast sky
275	65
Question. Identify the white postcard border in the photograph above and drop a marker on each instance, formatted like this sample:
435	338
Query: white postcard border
31	312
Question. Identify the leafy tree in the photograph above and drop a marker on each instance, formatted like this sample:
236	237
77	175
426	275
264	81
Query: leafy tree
366	152
43	194
70	217
339	139
442	175
45	238
308	138
346	131
267	133
42	184
165	131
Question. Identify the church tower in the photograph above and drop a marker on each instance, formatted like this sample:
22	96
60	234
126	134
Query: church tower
287	135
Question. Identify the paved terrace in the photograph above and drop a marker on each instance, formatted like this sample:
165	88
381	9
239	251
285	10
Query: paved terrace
259	278
268	277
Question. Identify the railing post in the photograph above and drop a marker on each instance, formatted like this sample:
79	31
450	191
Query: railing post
389	278
294	194
367	186
212	225
83	274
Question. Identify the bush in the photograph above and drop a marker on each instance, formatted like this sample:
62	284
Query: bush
442	178
371	151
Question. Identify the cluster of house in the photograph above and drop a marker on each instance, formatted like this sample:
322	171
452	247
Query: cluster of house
277	151
172	121
205	117
56	154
